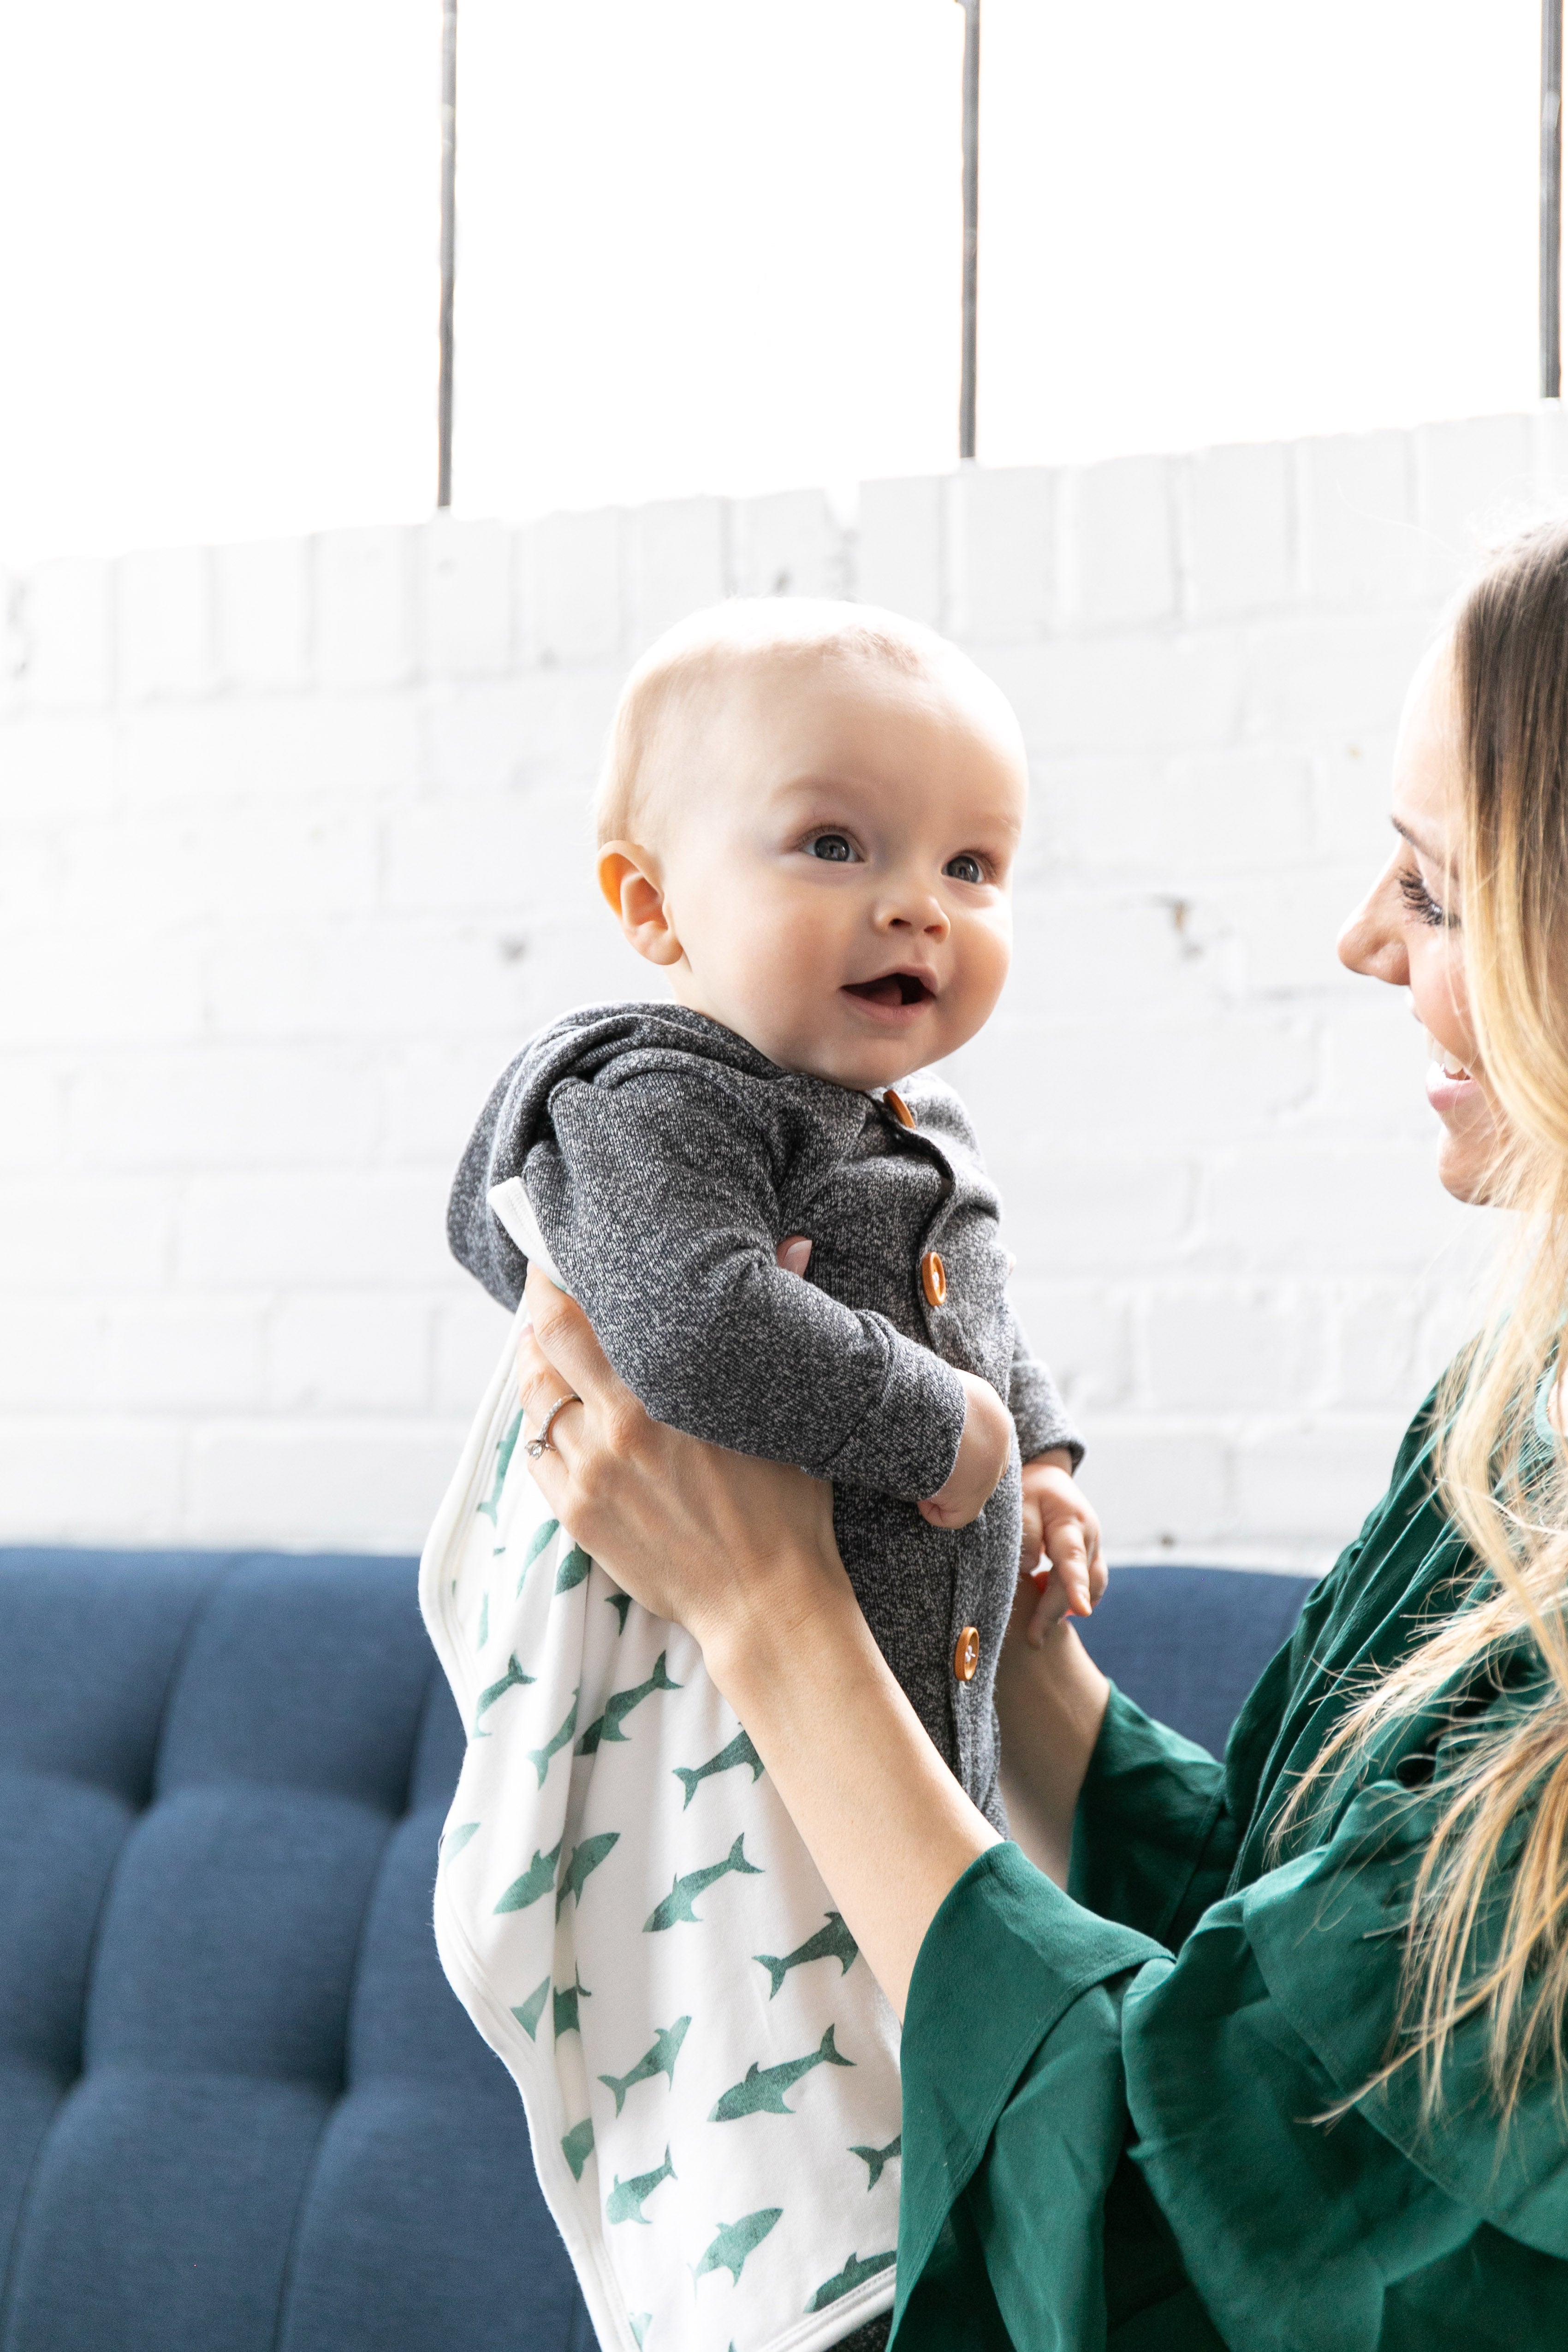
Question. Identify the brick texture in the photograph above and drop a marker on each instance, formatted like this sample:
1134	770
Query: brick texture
294	848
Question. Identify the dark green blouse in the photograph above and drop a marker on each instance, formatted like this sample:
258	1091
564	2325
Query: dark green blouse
1105	2144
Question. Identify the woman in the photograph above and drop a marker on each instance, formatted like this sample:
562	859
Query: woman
1268	2054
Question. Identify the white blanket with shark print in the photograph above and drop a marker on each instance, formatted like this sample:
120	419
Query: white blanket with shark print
624	1907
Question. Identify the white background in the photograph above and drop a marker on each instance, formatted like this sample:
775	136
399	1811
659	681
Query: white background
715	245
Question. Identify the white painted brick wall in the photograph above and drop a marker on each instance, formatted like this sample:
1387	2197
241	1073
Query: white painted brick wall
294	848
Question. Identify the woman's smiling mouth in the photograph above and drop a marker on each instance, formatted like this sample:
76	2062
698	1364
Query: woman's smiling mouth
1448	1083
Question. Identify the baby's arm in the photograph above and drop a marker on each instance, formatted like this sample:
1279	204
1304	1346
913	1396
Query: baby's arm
657	1201
1061	1548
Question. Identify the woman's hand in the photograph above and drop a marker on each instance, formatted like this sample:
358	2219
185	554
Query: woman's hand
741	1553
706	1537
1050	1703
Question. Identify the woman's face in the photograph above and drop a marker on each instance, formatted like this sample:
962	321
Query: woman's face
1407	931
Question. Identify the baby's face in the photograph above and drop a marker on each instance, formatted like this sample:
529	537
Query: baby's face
836	863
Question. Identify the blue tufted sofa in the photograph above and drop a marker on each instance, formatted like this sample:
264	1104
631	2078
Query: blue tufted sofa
239	2110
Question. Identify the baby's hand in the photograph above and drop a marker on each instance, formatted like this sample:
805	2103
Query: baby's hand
1060	1552
982	1456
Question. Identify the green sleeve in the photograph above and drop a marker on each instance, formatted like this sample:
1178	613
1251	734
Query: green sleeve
1153	1840
1114	2148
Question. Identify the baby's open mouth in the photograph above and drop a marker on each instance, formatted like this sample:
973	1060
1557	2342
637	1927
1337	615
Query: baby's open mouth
893	988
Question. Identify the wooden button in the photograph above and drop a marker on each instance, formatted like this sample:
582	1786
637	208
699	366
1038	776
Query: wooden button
934	1278
966	1657
899	1108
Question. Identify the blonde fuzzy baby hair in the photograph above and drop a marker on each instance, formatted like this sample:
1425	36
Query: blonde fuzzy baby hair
664	690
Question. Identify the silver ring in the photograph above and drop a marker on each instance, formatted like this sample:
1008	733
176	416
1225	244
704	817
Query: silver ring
535	1446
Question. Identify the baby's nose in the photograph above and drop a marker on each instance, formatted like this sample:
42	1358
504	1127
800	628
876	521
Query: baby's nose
921	914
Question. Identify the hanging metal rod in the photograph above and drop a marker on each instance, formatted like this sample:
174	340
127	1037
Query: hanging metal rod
449	248
971	222
1550	199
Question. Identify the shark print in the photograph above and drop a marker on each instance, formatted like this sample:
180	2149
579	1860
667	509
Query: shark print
619	1704
676	1909
513	1679
585	1858
507	1447
542	1758
536	1543
578	2145
528	2012
658	2059
762	2091
736	2241
626	2198
566	2010
833	1942
573	1570
739	1751
690	2232
536	1880
855	2273
876	2159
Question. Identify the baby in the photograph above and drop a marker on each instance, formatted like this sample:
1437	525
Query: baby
807	822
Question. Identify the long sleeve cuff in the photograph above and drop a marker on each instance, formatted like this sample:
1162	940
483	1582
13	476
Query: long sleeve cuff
908	1444
1007	1984
1151	1821
1039	1413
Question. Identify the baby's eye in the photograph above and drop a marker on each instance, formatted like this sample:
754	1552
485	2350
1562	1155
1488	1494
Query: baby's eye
966	868
833	847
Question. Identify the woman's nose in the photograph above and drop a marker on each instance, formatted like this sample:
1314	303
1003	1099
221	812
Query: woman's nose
1371	940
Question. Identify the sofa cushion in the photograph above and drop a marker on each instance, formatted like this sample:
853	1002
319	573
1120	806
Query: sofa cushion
1186	1645
238	2105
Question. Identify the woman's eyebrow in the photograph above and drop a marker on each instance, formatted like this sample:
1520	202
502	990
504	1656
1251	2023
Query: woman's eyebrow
1421	848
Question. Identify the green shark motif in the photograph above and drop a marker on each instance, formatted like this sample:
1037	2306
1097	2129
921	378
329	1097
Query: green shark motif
620	1602
762	2091
658	2059
484	1623
536	1880
639	2322
578	2145
536	1543
739	1751
528	2012
504	1453
566	2006
676	1909
542	1758
625	2202
876	2159
833	1942
620	1704
735	2240
585	1858
573	1568
855	2273
452	1844
513	1679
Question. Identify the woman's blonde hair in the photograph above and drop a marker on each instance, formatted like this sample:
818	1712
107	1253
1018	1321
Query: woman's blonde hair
1502	1817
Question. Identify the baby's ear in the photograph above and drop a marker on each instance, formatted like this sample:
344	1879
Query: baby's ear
629	876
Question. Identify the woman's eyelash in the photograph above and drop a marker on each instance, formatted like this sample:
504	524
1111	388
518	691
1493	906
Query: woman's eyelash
1421	902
